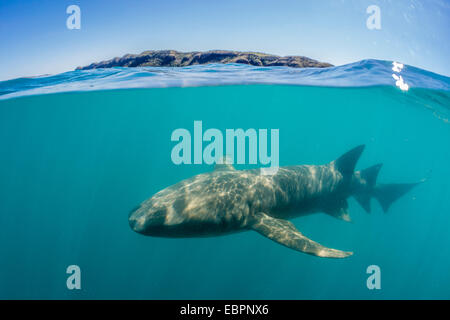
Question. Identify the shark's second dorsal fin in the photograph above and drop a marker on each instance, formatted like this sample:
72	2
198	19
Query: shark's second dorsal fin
368	178
225	164
370	175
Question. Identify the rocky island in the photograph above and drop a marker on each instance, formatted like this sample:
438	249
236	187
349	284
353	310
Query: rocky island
172	58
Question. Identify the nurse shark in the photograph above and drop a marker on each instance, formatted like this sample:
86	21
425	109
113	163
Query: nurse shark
226	200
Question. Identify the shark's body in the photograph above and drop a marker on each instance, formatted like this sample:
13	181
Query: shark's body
226	201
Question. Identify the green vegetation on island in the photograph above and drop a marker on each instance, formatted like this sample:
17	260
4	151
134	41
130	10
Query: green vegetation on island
172	58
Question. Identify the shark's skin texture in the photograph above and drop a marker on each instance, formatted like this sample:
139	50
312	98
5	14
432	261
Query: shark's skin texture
226	201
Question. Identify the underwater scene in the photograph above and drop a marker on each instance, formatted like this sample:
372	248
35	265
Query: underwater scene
82	151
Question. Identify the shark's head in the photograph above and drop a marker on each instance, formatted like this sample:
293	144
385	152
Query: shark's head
148	219
163	215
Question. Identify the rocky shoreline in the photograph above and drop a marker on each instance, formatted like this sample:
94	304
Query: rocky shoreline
172	58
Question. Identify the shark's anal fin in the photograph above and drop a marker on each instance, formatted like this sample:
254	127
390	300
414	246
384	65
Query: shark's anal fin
285	233
363	200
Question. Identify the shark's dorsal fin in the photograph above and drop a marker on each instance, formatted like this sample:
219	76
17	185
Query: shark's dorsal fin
346	163
370	174
223	167
369	178
285	233
225	164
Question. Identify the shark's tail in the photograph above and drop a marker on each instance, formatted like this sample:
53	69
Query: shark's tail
386	194
363	184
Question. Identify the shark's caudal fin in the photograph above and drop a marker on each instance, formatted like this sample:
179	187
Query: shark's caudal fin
365	188
363	183
387	194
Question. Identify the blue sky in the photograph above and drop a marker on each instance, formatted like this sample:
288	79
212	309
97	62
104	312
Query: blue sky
35	40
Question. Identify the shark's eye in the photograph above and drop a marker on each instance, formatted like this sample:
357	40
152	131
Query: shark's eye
161	213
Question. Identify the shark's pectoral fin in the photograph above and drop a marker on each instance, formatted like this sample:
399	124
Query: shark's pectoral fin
285	233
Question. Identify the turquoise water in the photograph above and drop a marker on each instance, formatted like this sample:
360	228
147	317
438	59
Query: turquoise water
73	164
